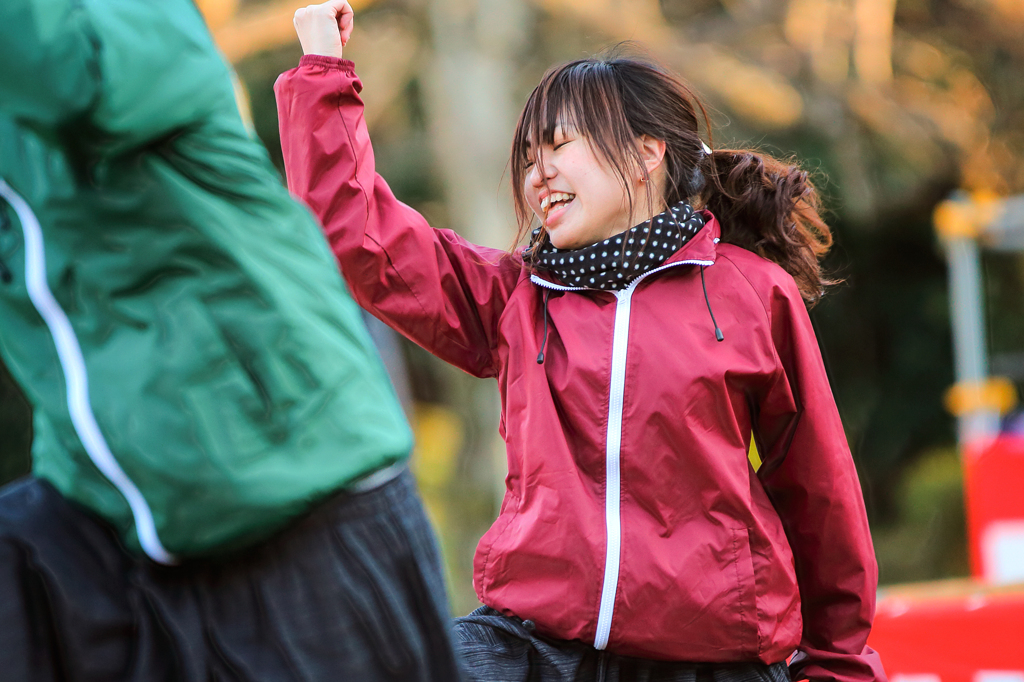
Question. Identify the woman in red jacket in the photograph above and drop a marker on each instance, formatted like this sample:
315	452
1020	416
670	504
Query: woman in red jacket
652	333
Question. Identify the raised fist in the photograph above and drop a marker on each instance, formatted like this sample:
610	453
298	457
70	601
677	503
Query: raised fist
324	29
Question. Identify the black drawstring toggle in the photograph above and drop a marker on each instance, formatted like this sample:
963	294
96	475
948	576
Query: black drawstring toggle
718	332
544	338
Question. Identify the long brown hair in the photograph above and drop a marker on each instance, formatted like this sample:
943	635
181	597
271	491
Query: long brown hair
766	205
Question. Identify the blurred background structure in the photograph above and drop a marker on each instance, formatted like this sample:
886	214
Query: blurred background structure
893	104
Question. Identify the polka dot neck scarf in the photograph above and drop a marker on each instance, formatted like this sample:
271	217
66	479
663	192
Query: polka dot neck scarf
618	260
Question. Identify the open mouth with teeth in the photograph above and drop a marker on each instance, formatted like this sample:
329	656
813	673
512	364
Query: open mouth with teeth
555	202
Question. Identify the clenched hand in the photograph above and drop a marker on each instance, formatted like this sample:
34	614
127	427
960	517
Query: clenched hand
324	29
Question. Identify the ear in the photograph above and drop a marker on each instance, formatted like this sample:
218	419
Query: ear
652	151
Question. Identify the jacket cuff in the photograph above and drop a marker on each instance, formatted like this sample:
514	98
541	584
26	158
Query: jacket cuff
327	63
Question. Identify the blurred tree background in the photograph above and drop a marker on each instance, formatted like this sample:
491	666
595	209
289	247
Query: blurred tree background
891	103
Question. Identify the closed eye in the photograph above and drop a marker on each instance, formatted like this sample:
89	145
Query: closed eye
528	164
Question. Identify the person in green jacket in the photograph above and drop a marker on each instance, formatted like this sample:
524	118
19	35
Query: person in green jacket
218	487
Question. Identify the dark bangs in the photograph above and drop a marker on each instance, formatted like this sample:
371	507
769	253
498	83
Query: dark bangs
584	95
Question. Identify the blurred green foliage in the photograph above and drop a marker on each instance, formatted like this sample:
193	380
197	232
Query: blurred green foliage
886	338
927	538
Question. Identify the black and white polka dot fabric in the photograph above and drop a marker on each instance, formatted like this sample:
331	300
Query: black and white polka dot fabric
618	260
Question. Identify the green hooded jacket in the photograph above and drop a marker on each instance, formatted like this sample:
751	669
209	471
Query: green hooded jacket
198	372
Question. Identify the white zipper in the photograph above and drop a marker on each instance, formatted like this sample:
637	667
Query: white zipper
613	442
76	377
557	287
613	483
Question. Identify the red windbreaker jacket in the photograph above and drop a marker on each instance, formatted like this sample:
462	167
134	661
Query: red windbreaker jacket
633	519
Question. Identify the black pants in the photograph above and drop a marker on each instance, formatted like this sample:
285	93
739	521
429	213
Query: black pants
496	648
353	591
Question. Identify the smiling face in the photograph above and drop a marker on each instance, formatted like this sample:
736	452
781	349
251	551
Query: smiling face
578	199
578	196
601	145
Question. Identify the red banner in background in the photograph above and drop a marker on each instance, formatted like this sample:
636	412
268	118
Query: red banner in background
952	631
994	494
967	630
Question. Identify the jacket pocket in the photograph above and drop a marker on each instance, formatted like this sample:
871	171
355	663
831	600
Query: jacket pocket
488	543
747	636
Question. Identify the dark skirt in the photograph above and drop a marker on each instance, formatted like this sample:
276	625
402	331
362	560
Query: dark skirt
496	648
353	591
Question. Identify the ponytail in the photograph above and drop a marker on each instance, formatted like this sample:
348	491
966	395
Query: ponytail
770	207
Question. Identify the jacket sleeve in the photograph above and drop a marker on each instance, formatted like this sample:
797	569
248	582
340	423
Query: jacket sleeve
122	74
810	476
442	292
